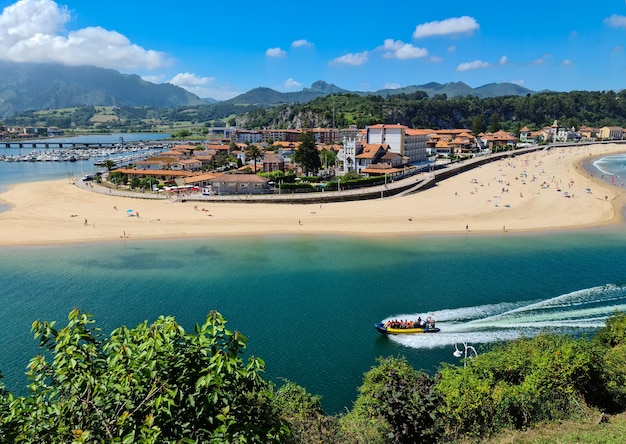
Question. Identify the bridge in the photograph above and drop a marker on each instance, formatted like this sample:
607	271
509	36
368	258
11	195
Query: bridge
34	144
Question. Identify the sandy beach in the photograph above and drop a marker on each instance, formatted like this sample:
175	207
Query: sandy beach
544	190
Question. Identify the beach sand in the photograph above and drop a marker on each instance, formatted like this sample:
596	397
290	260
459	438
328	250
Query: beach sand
524	193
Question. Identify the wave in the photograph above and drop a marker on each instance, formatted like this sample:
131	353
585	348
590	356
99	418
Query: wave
611	165
573	313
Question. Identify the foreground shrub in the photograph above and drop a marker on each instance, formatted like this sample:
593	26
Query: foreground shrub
516	385
304	416
153	383
401	396
611	367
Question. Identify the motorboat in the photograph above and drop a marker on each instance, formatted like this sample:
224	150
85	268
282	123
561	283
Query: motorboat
407	327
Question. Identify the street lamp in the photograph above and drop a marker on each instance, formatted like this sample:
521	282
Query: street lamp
466	349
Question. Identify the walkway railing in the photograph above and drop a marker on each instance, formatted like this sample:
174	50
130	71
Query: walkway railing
408	185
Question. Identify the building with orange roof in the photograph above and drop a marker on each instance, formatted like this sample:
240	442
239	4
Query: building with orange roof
369	154
167	176
149	164
587	133
498	139
273	162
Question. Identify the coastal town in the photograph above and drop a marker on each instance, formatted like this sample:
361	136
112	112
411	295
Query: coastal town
230	159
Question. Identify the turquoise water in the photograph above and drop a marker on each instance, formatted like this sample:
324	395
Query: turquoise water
308	303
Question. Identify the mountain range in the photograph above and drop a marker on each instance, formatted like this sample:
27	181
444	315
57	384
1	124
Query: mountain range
31	86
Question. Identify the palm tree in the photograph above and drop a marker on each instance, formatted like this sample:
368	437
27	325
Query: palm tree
254	153
108	164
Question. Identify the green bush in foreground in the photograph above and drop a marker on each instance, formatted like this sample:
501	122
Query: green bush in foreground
157	383
516	385
403	397
153	383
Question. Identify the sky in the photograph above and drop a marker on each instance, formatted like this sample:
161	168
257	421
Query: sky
223	49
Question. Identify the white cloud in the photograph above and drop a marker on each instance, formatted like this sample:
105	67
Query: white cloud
436	59
517	82
567	62
34	31
391	86
397	49
455	25
188	80
275	52
203	87
303	43
503	60
154	78
541	60
291	84
476	64
354	59
452	48
615	21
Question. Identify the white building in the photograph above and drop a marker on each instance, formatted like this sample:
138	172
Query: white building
401	139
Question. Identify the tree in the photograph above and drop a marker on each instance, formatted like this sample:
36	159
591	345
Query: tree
117	177
109	164
152	383
478	125
401	396
328	157
494	123
254	153
306	154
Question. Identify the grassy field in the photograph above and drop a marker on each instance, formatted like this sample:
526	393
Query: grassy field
597	430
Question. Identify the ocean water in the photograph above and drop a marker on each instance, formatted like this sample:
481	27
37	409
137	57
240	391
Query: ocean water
308	303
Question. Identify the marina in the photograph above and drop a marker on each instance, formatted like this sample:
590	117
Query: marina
121	153
80	155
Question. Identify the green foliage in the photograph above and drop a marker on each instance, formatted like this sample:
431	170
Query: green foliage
306	154
610	389
147	183
403	397
494	123
478	125
304	416
328	157
614	333
254	153
153	383
296	186
516	385
352	180
117	177
182	133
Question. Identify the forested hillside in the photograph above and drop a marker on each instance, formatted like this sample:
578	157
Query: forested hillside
415	110
418	111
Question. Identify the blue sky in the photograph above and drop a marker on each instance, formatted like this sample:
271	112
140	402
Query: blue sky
222	49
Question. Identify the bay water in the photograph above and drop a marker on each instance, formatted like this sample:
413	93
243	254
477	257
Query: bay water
308	303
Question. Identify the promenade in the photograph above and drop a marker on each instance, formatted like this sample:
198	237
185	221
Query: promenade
408	185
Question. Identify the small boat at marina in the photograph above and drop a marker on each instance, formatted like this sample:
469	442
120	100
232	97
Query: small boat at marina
407	327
